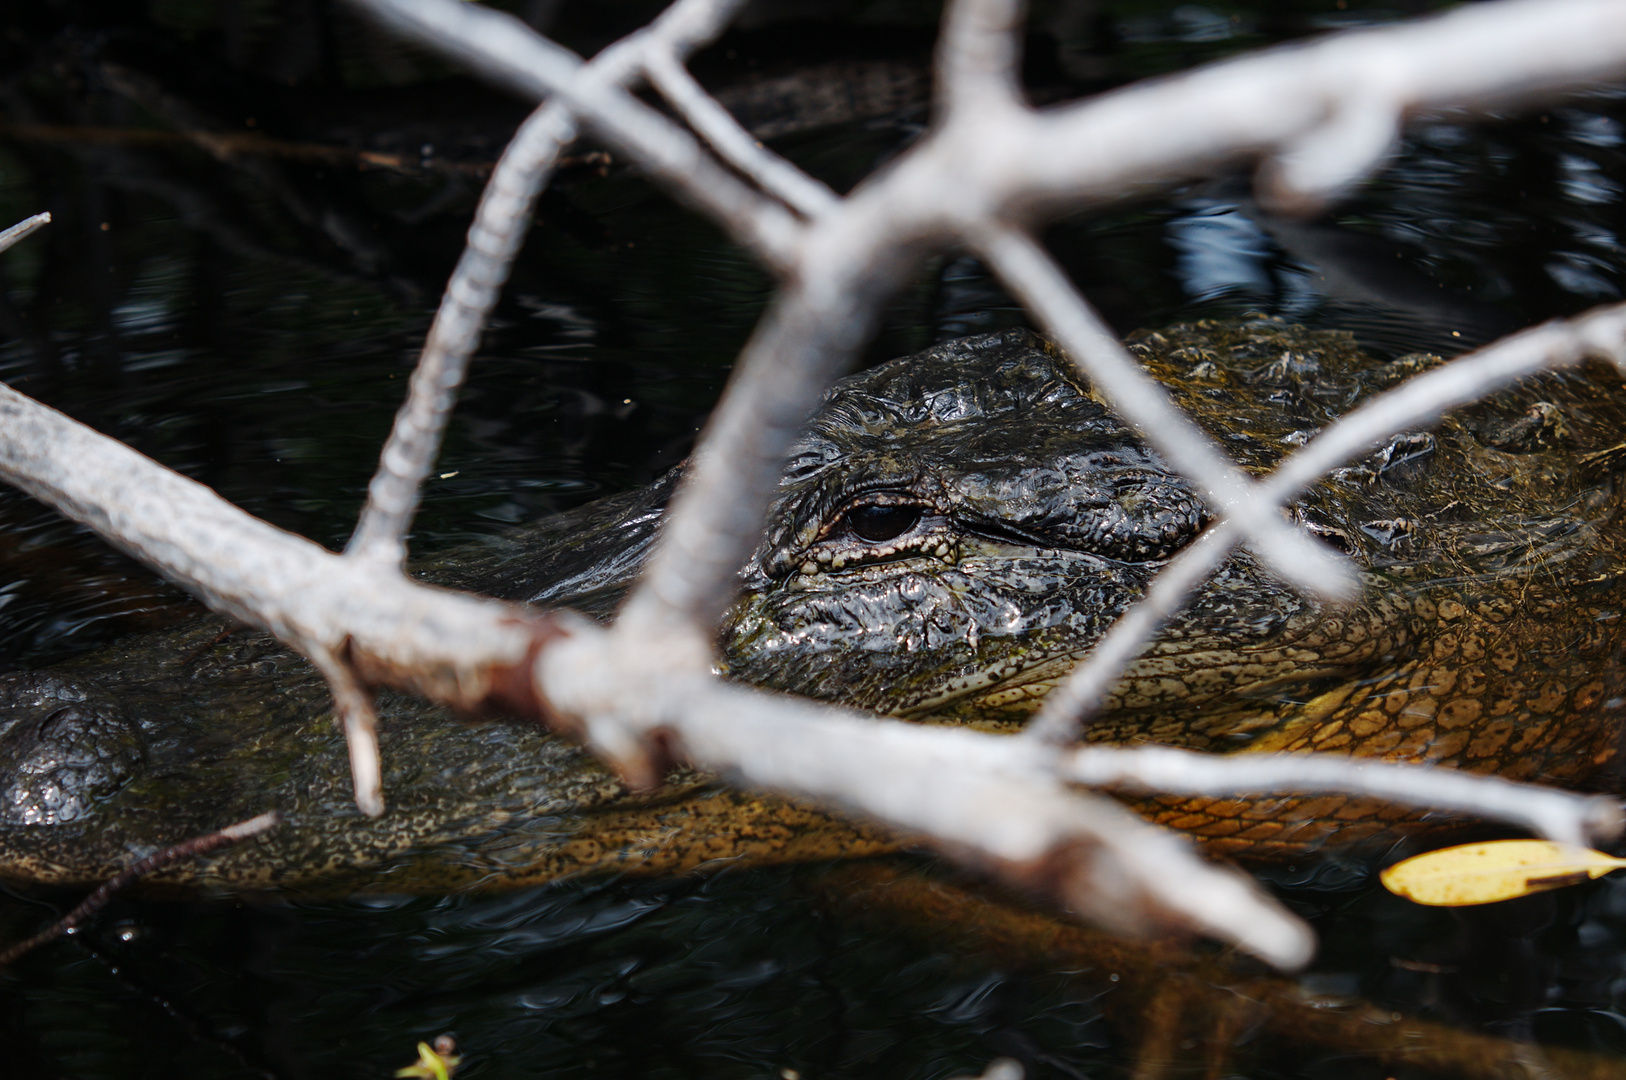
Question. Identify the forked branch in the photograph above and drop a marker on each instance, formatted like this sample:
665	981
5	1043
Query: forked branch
1599	334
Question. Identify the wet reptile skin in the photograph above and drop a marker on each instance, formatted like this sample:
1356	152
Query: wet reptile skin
1009	518
1492	547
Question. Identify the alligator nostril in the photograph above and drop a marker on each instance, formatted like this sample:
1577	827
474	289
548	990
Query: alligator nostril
877	523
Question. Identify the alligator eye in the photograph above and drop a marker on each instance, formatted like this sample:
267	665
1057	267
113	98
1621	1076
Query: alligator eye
878	523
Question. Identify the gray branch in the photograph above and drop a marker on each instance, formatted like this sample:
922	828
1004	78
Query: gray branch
737	146
1318	116
1598	334
500	222
505	50
1033	278
1557	815
995	163
22	229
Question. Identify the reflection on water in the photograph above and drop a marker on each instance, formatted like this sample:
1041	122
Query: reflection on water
249	320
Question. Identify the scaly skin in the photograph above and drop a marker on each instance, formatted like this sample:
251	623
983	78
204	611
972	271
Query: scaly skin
1495	574
1013	518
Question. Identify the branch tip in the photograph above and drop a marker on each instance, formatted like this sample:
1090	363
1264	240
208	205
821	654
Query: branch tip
23	228
1303	177
353	708
1604	820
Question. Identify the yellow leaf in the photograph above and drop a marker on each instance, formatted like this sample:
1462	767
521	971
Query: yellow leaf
431	1065
1499	870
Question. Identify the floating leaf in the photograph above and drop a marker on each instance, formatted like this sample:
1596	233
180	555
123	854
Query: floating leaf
1498	870
436	1062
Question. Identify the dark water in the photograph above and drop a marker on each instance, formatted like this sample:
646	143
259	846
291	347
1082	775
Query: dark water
249	319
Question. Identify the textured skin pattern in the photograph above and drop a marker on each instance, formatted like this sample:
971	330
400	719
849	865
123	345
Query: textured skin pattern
955	530
61	751
1487	638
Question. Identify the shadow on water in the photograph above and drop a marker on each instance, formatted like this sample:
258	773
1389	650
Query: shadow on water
246	312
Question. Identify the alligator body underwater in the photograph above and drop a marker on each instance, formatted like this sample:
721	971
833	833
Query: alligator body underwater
953	531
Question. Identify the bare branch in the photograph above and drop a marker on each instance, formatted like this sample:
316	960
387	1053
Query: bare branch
1597	334
808	337
1600	334
1099	858
686	26
1028	271
1557	815
1320	115
502	48
737	146
499	228
22	229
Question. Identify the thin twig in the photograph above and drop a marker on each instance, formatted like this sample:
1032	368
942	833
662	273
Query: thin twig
1558	815
1423	399
1597	334
197	847
1072	704
353	708
499	227
22	229
808	336
1033	277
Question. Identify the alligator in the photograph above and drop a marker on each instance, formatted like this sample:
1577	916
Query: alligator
951	534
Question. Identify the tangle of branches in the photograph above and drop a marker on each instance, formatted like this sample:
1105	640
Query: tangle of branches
1311	119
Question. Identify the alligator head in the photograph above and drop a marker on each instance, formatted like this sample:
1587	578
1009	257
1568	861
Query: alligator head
955	529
